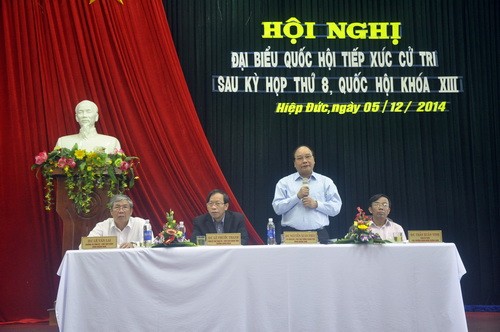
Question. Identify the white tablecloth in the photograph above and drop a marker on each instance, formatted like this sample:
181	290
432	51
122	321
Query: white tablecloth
391	287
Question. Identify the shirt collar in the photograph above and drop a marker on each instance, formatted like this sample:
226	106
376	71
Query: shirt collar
386	224
222	220
128	225
299	178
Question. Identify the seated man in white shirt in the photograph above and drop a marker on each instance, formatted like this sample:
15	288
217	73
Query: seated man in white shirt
86	114
380	207
127	229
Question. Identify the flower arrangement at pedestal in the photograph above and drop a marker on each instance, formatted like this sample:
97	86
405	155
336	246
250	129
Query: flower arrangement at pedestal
85	171
360	231
170	236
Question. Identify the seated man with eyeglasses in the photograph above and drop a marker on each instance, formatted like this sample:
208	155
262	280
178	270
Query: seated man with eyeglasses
219	219
380	207
127	229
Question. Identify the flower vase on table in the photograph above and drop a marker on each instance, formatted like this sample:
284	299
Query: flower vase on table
360	232
170	236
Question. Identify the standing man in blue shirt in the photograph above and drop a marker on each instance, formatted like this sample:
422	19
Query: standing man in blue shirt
306	199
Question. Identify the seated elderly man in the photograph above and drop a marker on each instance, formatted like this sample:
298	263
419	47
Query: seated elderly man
86	113
127	229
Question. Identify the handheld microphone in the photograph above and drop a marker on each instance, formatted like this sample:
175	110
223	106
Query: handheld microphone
305	183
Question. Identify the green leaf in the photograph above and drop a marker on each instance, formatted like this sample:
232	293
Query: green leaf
344	241
132	178
111	173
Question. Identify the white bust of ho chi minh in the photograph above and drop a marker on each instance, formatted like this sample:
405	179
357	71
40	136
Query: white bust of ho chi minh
86	114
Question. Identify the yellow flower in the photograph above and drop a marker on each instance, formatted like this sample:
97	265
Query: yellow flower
80	154
362	227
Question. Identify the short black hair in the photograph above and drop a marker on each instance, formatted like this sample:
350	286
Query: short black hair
376	197
301	146
218	191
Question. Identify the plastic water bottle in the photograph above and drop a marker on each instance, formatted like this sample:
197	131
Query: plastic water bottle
147	235
271	232
182	228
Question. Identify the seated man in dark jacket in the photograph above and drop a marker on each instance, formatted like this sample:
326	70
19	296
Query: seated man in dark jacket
219	219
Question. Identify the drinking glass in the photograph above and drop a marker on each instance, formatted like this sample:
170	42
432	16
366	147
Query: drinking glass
200	240
398	236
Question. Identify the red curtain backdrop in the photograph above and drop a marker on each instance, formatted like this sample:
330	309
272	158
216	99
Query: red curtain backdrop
57	53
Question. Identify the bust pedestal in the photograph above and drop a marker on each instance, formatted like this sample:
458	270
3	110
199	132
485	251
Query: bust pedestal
75	224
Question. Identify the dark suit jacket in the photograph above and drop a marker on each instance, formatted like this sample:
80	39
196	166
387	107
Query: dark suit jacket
233	223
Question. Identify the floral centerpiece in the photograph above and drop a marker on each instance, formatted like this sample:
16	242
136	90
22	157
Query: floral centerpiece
171	236
85	171
360	231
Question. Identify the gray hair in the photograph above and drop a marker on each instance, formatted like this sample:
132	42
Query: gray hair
120	197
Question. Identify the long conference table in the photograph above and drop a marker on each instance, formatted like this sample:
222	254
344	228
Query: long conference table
390	287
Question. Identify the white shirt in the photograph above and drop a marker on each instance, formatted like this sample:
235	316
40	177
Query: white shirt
133	232
387	230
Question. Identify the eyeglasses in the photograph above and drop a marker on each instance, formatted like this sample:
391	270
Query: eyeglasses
377	204
119	207
307	157
209	204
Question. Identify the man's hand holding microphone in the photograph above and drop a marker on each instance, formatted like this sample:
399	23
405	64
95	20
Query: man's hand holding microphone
303	194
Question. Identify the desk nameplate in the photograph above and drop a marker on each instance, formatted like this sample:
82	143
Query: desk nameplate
101	242
425	236
301	237
223	239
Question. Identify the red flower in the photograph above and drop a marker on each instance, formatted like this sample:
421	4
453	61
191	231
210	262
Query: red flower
61	162
41	158
71	162
170	239
171	231
124	166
